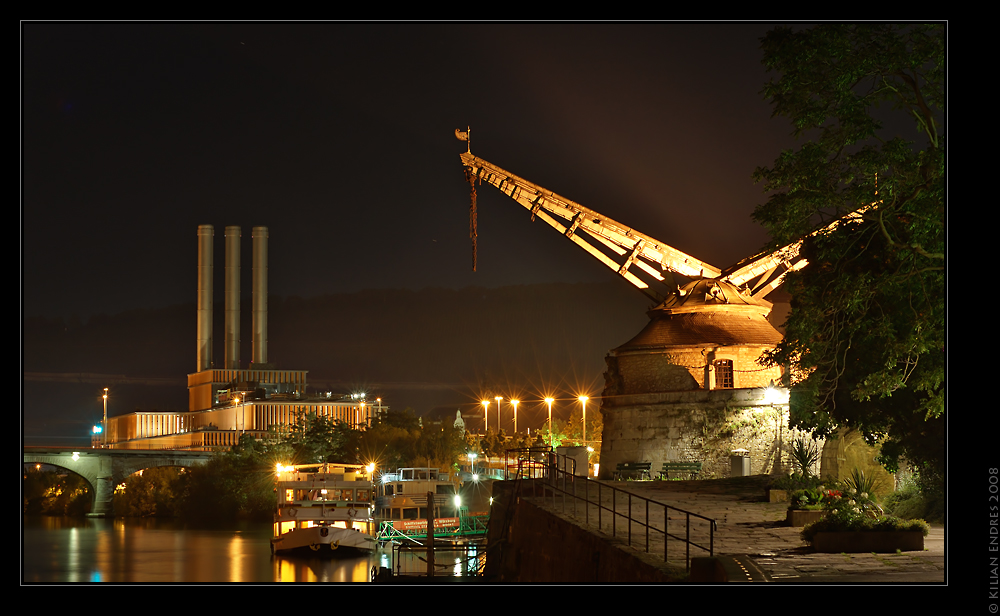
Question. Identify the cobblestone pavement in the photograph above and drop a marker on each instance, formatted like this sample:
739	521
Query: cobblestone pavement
753	533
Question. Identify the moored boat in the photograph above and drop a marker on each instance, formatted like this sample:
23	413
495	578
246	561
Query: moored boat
324	510
408	497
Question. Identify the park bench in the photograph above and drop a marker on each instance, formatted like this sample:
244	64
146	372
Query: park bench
629	470
692	468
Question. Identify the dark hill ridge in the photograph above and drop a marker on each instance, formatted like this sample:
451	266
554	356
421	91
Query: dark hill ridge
520	336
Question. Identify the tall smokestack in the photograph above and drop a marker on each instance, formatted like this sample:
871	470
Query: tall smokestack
232	298
260	295
206	234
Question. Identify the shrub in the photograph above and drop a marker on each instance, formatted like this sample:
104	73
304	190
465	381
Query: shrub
805	454
796	481
811	498
840	523
860	483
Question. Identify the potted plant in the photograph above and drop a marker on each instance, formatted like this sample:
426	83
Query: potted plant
853	522
781	489
804	455
807	506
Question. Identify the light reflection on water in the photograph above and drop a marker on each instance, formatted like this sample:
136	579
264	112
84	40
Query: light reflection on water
60	550
70	550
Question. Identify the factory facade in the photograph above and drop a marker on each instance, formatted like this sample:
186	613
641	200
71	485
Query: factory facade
229	401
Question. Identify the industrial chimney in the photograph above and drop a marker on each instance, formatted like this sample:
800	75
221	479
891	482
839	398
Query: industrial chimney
205	271
232	298
259	295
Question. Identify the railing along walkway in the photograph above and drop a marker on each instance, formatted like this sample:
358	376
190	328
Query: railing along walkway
641	522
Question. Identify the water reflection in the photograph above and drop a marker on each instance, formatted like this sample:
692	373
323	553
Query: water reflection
290	569
60	550
82	550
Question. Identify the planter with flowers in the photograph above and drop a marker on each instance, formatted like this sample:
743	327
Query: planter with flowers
807	506
853	522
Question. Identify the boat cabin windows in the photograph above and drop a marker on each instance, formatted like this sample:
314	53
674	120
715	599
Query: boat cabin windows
336	495
418	474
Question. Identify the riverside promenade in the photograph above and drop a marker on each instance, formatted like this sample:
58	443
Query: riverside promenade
751	538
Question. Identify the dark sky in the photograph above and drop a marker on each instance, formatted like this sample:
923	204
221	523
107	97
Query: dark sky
340	139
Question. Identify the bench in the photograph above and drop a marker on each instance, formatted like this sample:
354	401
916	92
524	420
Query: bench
692	468
629	470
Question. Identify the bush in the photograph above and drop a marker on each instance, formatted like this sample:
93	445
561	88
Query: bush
910	502
811	498
805	454
796	481
855	510
834	523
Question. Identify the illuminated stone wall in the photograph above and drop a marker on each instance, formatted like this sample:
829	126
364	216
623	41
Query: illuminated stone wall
687	368
698	426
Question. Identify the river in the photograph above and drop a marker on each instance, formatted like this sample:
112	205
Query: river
58	550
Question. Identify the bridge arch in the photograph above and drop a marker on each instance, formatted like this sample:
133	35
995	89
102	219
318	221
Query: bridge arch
103	469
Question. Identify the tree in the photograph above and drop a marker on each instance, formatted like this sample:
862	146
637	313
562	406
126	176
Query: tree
865	341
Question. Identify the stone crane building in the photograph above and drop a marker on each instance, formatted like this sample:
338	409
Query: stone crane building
689	386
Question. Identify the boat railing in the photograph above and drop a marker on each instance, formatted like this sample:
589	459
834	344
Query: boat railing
640	521
461	526
416	499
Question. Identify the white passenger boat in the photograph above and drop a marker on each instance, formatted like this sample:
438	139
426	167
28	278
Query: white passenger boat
324	510
402	506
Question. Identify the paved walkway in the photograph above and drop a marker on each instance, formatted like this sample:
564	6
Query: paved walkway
752	533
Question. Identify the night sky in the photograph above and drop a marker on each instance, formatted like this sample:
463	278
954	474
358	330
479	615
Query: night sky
340	139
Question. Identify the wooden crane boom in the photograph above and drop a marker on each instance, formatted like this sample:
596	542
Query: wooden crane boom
569	218
757	275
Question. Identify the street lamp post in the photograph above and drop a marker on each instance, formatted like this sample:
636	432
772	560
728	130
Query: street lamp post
486	415
514	403
549	401
243	417
583	399
104	426
499	416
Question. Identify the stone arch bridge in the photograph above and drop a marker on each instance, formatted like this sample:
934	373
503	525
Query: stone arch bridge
106	468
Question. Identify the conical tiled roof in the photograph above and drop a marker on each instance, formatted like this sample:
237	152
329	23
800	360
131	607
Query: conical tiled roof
706	312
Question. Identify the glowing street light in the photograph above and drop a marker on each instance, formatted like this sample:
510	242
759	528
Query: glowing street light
486	415
583	400
240	400
104	425
499	418
514	403
549	401
472	462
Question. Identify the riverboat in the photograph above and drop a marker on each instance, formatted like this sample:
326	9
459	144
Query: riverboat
407	498
324	510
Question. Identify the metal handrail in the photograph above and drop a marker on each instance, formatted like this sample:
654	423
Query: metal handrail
551	483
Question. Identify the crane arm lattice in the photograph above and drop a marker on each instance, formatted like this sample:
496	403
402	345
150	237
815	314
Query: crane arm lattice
770	268
655	258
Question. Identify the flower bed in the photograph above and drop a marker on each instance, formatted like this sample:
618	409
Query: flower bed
836	534
853	522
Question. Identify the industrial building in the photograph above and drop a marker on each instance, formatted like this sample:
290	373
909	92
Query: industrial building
228	401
